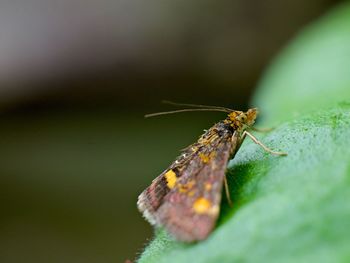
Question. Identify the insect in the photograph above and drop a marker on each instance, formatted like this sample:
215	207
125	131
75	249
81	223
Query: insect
185	198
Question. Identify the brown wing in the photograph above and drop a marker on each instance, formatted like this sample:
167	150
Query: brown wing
153	196
185	199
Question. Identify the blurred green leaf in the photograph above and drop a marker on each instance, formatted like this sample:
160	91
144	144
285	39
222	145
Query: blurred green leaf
294	208
312	72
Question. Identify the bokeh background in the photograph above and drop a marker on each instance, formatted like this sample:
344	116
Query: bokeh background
76	78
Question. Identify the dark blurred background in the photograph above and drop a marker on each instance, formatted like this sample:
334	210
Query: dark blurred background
76	78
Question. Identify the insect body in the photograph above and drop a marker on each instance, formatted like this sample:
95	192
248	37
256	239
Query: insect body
185	198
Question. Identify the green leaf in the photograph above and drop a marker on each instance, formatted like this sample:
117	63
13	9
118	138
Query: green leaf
312	73
294	208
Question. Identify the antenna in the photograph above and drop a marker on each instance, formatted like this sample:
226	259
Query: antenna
199	108
195	105
183	110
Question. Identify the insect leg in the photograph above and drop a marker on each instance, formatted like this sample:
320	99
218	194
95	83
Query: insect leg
261	144
261	129
227	192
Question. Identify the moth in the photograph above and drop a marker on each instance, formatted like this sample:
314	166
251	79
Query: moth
185	198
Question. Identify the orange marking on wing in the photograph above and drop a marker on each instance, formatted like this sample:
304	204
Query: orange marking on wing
183	188
207	186
201	205
171	178
204	157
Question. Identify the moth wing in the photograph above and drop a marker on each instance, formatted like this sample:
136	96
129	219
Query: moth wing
189	211
153	196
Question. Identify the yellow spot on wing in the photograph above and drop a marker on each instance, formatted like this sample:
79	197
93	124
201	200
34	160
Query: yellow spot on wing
183	188
206	158
207	186
201	205
170	177
191	193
